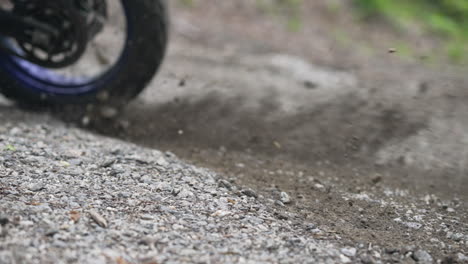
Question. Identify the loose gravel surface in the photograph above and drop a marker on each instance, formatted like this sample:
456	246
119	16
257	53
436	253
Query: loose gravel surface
68	196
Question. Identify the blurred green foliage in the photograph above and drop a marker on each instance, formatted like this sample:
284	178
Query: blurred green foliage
448	18
188	3
290	9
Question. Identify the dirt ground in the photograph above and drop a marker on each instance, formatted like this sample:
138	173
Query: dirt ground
369	145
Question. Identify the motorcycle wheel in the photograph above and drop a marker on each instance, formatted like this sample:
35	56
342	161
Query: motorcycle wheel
142	53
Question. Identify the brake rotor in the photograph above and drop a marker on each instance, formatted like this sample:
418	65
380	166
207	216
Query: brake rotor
76	23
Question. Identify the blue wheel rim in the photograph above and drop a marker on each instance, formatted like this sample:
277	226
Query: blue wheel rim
44	81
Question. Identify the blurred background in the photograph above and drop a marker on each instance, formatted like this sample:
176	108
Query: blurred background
420	29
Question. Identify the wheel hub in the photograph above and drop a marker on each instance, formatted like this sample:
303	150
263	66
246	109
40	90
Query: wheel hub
75	22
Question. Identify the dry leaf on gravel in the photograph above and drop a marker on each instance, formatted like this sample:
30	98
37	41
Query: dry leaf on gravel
75	216
121	260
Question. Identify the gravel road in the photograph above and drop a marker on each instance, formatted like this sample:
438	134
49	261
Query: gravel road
68	196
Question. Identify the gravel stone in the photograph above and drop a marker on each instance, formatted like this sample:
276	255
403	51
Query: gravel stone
225	184
284	197
422	256
413	225
108	163
349	251
279	203
344	259
367	259
462	258
457	237
99	219
37	187
249	193
4	220
281	216
109	112
75	162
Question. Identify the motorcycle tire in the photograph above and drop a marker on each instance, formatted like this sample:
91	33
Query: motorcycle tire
143	52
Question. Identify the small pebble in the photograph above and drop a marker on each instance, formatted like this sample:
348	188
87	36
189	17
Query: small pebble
462	258
99	219
284	197
422	256
4	220
349	251
109	112
249	192
225	184
37	187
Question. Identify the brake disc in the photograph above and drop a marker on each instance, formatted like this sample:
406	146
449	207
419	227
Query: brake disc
76	21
